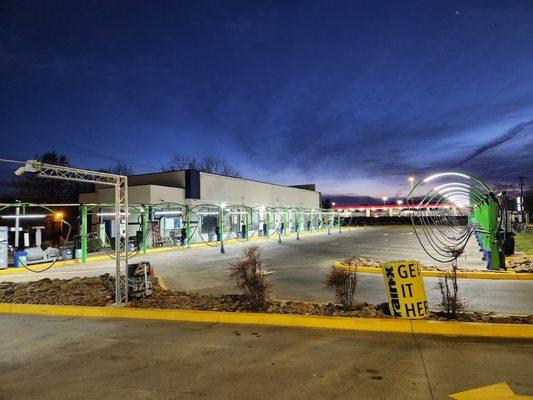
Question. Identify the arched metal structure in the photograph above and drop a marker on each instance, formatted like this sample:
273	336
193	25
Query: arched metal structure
438	205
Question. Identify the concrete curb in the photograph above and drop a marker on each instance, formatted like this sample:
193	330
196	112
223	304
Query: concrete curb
416	327
37	267
162	283
507	275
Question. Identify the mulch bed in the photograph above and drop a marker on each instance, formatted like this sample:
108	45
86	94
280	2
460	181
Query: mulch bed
99	291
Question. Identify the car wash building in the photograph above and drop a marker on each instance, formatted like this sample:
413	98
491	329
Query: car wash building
182	207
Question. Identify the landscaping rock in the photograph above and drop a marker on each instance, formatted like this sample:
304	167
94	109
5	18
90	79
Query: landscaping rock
99	291
94	291
522	264
501	319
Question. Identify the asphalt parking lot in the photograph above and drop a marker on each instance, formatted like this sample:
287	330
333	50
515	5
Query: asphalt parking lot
82	358
299	266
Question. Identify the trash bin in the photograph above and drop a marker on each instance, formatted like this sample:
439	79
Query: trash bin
20	258
67	253
77	254
509	243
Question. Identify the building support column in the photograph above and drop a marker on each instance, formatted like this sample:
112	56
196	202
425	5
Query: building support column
144	229
221	228
83	233
247	219
188	225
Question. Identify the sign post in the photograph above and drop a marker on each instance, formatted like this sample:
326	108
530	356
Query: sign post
405	289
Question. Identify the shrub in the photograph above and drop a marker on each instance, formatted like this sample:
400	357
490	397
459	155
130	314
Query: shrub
450	303
343	283
249	276
93	244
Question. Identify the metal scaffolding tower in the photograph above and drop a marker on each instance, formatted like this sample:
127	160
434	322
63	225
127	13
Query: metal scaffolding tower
120	183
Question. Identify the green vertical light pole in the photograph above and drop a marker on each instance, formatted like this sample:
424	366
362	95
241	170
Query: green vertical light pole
188	225
247	220
267	222
144	229
221	228
297	223
83	233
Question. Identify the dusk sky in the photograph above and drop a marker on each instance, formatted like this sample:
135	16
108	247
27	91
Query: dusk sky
353	96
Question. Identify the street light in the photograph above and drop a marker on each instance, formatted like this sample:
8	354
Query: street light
412	181
384	199
399	202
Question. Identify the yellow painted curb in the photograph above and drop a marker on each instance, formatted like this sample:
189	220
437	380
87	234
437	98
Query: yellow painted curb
477	329
439	274
422	327
38	267
162	283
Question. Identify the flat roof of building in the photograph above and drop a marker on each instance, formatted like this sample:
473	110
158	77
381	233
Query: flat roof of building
301	187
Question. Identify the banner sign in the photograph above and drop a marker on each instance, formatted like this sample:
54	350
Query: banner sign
405	289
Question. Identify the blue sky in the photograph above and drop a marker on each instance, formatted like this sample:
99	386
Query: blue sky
354	96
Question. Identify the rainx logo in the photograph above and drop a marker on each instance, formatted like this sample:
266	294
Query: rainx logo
406	295
394	299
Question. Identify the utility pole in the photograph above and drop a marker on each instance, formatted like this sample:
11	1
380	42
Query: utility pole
523	203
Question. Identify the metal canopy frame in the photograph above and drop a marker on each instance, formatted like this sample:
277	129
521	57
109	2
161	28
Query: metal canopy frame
120	183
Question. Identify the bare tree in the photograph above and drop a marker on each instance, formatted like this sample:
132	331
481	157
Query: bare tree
450	303
179	162
248	274
343	283
120	168
210	164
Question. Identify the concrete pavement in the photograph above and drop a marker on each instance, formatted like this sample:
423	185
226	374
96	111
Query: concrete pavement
82	358
299	268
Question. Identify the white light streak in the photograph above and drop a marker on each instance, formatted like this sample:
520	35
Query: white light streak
430	178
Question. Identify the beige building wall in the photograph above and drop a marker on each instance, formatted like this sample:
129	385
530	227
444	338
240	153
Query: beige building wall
145	194
215	189
174	179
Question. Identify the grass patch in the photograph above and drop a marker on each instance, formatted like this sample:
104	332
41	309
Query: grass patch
524	242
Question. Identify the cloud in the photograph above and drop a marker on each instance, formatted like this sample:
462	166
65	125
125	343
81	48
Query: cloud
507	136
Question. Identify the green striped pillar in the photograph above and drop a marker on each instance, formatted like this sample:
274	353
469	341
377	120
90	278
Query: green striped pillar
83	233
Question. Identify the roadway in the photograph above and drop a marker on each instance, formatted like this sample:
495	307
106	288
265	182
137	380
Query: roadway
83	358
299	267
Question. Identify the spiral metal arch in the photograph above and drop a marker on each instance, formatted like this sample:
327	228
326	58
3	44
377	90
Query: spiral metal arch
438	205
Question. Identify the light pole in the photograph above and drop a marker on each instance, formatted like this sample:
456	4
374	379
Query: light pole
332	218
522	202
399	202
412	181
221	226
384	199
